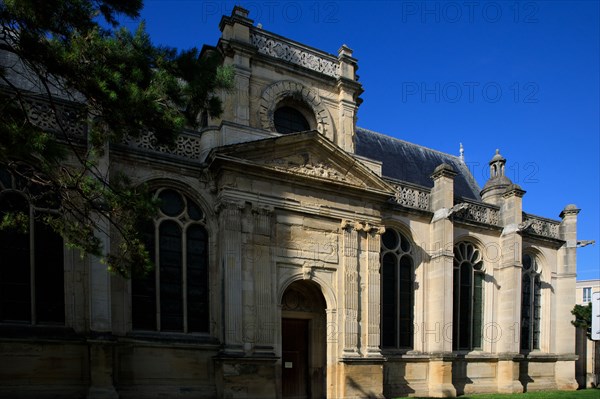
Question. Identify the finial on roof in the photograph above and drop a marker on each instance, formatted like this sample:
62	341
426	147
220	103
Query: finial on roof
497	157
462	153
259	25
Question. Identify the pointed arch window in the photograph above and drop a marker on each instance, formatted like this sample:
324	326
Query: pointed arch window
31	258
531	285
174	296
397	290
468	297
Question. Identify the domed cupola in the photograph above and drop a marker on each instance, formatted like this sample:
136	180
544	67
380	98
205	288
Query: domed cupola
498	182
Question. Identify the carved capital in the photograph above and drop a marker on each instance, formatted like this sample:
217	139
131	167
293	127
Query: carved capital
229	204
359	226
265	210
346	224
208	178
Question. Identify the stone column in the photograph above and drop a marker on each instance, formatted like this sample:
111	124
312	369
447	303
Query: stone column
564	288
373	287
230	227
350	289
508	276
437	331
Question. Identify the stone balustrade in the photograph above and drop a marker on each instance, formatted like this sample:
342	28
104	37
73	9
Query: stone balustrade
296	54
541	226
411	196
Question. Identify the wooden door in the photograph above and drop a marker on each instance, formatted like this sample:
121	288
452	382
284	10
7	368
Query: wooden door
295	381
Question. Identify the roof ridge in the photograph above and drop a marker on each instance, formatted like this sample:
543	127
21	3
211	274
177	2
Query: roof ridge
411	143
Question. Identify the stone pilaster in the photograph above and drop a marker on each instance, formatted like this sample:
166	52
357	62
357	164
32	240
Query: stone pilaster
373	288
438	278
241	110
508	275
100	317
263	279
564	288
351	289
230	226
99	276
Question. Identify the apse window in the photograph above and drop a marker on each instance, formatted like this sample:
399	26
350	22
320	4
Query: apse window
31	258
531	308
174	296
290	120
468	281
397	285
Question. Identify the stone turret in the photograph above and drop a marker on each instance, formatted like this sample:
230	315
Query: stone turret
498	183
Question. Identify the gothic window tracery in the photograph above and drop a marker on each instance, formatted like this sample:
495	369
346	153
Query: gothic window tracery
530	303
468	297
174	296
31	257
397	287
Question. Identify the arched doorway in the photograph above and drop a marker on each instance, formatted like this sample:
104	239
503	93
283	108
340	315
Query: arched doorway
303	355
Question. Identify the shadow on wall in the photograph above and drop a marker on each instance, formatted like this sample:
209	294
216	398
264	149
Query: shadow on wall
459	377
358	391
524	376
394	382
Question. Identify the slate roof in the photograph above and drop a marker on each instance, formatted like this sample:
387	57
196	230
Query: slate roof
413	163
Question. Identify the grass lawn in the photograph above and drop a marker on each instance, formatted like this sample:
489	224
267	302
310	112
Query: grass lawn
582	394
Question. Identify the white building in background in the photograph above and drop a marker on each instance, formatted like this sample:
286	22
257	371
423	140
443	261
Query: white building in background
588	363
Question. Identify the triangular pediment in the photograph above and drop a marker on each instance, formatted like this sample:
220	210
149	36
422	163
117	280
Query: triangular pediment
306	155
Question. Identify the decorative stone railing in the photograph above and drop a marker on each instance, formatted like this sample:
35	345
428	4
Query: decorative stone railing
541	226
186	146
58	118
479	212
296	54
411	196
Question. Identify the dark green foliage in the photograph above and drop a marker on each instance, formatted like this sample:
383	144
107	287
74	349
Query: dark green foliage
120	85
583	318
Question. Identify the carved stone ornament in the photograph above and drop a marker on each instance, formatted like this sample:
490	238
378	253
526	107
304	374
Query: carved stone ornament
309	165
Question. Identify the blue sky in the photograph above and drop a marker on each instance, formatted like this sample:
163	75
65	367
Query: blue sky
521	76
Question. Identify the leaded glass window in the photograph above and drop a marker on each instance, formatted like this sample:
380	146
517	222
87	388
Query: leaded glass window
468	297
174	296
397	288
289	120
530	304
31	257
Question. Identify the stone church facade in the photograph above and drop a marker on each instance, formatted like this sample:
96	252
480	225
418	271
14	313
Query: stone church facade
298	255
